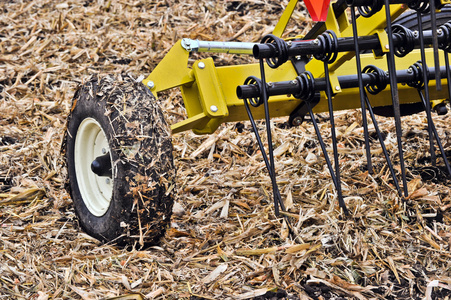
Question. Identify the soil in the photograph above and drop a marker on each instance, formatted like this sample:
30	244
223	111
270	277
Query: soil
224	240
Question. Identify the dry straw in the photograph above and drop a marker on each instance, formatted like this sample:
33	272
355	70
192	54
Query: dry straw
225	242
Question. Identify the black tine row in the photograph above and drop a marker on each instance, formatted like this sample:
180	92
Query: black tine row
369	79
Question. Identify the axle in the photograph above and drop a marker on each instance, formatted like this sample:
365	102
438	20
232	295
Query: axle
297	86
402	39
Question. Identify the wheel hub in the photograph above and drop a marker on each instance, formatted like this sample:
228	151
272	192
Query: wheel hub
101	166
93	167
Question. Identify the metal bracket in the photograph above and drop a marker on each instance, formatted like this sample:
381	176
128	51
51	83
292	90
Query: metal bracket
204	100
171	72
383	39
297	116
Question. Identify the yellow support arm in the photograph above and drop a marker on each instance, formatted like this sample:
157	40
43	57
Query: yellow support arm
285	18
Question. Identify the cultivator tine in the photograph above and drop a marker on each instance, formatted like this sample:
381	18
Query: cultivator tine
384	149
277	198
370	79
361	92
269	163
438	81
395	96
271	168
335	179
446	31
426	87
377	87
330	43
448	72
437	138
263	99
334	141
328	40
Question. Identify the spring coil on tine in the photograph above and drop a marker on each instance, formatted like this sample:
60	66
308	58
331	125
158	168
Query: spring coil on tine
381	79
369	10
306	86
421	6
329	41
418	78
408	40
281	48
446	29
257	101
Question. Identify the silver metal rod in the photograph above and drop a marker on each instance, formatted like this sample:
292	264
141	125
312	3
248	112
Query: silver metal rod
217	47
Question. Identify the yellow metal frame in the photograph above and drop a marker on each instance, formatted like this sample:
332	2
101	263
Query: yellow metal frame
209	92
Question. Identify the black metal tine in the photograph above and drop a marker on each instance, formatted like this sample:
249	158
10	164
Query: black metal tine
268	124
381	141
333	133
438	81
277	198
271	167
329	42
446	30
437	138
361	90
395	95
426	88
257	101
341	201
448	72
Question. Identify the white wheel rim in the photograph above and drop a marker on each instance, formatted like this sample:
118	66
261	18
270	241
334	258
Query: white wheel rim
96	191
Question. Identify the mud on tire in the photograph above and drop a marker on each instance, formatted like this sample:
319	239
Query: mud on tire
118	119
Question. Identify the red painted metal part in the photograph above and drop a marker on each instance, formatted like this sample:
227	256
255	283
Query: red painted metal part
317	9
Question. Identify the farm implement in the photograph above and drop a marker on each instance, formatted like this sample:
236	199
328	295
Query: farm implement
386	57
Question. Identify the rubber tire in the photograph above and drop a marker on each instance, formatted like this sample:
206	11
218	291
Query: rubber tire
140	147
409	20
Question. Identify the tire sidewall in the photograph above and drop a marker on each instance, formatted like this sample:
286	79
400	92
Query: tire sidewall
107	226
140	144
